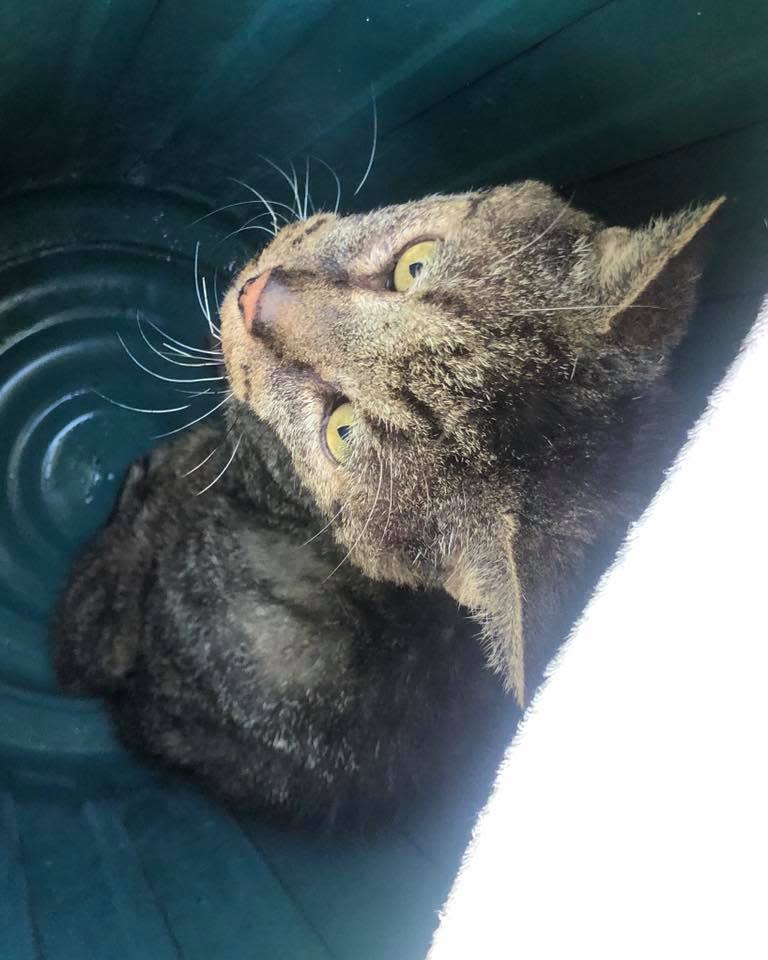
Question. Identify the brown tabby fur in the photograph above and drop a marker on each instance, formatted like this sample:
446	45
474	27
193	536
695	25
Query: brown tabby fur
509	403
512	417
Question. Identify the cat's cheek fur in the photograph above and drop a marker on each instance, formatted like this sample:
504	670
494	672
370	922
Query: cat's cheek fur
247	363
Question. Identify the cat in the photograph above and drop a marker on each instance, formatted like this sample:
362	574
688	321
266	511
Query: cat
461	399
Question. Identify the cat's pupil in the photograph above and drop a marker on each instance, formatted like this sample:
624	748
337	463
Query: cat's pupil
344	431
415	269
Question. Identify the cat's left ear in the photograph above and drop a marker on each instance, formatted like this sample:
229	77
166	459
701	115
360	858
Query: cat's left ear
635	271
484	578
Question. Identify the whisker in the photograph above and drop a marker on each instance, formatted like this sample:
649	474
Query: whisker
335	176
306	187
212	326
160	376
186	426
201	393
224	470
216	291
205	313
197	467
268	204
181	343
337	514
373	147
183	353
544	232
391	491
295	184
291	183
242	229
590	306
178	363
125	406
227	206
365	525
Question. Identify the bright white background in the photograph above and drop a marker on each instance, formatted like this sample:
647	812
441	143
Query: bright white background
630	817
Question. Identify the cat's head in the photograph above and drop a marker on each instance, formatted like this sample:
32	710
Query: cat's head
428	365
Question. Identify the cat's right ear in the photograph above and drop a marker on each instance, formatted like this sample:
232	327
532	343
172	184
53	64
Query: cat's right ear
646	278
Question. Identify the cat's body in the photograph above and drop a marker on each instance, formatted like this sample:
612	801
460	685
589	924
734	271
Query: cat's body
469	392
227	648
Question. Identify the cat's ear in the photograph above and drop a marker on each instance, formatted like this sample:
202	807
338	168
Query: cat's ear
484	578
654	267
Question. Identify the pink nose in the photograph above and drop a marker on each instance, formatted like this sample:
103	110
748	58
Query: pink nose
249	298
265	304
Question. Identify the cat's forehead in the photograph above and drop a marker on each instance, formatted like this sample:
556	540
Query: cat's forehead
360	241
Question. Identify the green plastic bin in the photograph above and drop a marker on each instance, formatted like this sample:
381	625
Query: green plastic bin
122	122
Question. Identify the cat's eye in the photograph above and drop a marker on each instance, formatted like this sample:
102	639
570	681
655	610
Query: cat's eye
411	262
338	431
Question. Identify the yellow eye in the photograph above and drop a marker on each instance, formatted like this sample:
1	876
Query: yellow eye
338	431
411	263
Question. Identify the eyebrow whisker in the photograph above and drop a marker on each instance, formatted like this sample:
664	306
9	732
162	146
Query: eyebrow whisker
247	226
335	176
373	147
268	204
291	183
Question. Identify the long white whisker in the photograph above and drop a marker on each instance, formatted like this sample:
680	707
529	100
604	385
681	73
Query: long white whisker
183	353
205	313
544	232
201	393
291	183
267	204
160	376
243	229
186	426
198	362
197	467
216	300
295	185
227	206
365	525
589	306
224	470
125	406
207	392
181	343
337	514
181	363
373	147
306	187
215	331
335	176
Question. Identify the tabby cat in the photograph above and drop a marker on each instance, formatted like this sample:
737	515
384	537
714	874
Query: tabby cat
460	399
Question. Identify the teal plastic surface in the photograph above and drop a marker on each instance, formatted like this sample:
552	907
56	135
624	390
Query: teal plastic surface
121	123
